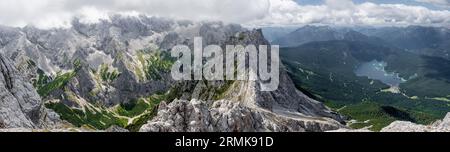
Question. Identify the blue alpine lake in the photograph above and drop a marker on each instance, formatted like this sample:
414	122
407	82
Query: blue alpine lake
376	70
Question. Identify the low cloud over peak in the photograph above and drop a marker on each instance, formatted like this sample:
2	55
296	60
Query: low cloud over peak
58	13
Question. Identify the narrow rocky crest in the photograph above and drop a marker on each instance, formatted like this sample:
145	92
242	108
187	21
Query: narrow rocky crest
229	116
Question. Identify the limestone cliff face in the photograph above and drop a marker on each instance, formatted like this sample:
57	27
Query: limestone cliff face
404	126
229	116
20	105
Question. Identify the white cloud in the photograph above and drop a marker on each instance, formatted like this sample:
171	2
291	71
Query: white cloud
22	12
58	13
345	12
46	13
437	2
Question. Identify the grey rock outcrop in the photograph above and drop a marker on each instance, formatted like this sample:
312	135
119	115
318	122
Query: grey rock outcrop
404	126
20	105
230	116
115	128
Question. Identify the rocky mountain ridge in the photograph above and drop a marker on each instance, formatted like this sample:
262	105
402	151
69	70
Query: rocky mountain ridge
115	73
229	116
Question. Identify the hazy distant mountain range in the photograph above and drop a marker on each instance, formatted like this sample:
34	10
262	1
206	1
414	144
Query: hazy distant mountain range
432	41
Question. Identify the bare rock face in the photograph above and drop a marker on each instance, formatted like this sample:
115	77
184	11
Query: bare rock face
403	126
115	128
20	105
444	124
230	116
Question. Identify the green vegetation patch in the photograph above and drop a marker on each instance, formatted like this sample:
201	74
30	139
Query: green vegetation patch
45	84
59	82
141	120
99	119
379	116
141	110
156	65
133	108
138	111
140	106
41	79
108	75
221	91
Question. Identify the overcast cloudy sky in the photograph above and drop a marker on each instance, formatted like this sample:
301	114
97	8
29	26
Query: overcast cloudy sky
59	13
